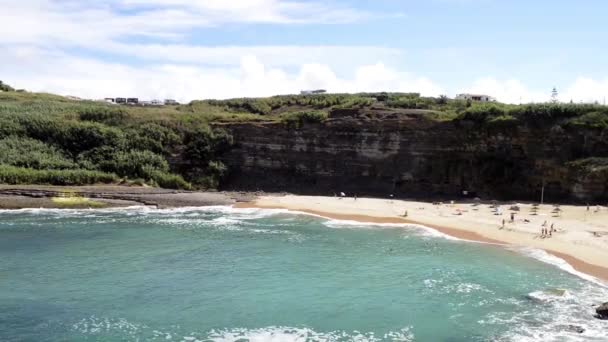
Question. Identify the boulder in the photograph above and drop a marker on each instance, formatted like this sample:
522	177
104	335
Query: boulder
602	311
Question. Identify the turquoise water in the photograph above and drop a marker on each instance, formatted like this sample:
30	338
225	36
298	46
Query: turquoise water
223	274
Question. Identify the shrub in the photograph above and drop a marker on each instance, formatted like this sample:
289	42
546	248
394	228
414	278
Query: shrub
482	112
153	137
30	153
108	116
73	136
17	175
10	126
589	164
133	164
297	119
204	144
590	120
167	180
502	121
6	87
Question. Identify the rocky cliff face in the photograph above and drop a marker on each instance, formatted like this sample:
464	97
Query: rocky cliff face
407	154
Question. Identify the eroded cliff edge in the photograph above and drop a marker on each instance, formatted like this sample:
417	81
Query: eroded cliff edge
374	151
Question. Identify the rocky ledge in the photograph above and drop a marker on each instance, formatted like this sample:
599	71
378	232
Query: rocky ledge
18	197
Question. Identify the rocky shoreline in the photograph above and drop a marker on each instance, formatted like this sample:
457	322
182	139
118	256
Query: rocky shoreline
22	197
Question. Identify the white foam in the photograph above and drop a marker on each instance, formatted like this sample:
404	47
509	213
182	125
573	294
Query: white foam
555	317
560	263
419	229
286	334
247	213
101	326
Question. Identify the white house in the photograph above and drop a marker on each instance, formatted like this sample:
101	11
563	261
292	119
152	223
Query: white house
475	97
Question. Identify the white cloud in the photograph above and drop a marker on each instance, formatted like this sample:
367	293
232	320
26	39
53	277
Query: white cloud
90	78
583	89
279	55
37	35
586	90
91	23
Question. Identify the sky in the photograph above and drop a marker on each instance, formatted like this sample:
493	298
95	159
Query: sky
514	50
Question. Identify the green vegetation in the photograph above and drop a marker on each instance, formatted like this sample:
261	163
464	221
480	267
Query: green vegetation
297	119
590	164
594	119
50	139
5	87
18	175
287	108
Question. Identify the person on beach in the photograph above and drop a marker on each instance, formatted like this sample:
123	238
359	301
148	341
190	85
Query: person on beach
355	197
552	230
512	217
503	224
405	214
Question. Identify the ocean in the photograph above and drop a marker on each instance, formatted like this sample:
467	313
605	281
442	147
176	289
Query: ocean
224	274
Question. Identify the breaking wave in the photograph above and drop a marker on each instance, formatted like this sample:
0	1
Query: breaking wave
106	327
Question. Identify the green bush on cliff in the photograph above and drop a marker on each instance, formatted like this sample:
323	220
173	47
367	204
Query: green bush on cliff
134	164
30	153
590	120
589	164
108	116
9	126
167	180
5	87
505	120
72	136
16	175
297	119
153	137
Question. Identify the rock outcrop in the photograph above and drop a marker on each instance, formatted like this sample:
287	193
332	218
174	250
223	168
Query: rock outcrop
602	311
407	154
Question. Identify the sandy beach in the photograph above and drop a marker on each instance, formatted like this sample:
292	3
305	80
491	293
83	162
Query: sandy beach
581	237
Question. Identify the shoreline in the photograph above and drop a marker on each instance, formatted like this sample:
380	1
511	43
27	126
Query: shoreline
596	271
574	244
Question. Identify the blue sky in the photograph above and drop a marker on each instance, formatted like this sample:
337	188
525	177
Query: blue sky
189	49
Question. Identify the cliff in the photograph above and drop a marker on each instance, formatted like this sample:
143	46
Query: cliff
376	151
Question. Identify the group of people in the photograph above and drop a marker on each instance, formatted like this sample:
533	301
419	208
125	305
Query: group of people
547	232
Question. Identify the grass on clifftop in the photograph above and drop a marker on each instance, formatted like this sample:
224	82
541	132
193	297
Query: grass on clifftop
50	139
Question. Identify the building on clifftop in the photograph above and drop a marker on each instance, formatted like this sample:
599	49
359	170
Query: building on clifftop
475	97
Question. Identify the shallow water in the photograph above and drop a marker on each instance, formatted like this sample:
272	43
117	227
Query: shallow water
223	274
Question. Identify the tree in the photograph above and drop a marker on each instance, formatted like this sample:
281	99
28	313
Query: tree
443	99
5	87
